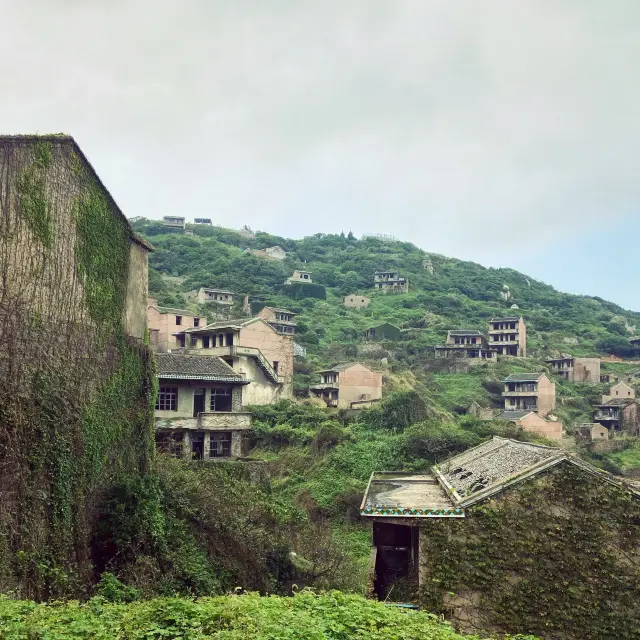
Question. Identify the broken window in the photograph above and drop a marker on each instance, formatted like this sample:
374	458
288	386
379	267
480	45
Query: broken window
170	443
178	320
220	444
167	399
220	399
196	322
194	341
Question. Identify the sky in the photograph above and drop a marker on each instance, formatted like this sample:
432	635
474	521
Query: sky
498	131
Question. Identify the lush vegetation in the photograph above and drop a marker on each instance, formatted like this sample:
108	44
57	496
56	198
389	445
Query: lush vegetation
328	616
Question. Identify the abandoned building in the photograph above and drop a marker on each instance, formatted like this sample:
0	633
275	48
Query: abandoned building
252	348
620	416
163	322
282	320
476	410
176	222
348	386
356	302
592	432
199	407
206	294
619	391
299	276
529	391
390	282
384	331
530	421
508	336
465	343
270	253
205	221
608	378
576	369
427	528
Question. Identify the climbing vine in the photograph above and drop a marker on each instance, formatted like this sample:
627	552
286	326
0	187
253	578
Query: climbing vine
559	558
76	412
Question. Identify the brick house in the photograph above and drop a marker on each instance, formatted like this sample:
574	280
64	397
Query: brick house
207	294
508	335
348	386
576	369
466	343
532	422
619	415
282	320
163	322
529	391
390	282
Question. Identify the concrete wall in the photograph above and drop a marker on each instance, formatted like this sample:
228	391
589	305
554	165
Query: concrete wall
357	381
533	423
356	302
631	419
586	370
135	320
522	338
620	390
546	396
261	389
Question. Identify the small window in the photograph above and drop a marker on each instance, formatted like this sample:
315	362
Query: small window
194	341
167	399
220	444
196	322
220	399
205	342
178	320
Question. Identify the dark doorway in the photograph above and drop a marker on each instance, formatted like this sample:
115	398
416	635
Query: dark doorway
198	402
394	561
197	445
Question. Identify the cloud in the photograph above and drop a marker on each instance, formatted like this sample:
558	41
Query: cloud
484	130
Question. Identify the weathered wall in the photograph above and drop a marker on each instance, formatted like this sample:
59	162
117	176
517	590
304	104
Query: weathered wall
546	396
631	419
534	423
186	390
165	324
356	302
556	557
586	370
137	288
261	390
358	381
522	338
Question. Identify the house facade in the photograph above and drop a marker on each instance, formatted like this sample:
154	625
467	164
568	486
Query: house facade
384	331
282	320
466	343
254	349
164	322
592	432
530	421
356	302
576	369
199	407
176	222
207	294
620	391
390	282
299	276
530	392
348	386
619	416
430	531
508	335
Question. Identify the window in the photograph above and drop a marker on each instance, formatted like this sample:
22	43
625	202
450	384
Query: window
220	444
167	399
170	442
180	340
178	320
229	339
196	322
205	342
194	341
220	399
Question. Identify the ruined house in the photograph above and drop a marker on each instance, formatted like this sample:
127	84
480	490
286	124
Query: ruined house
592	432
207	294
390	282
508	335
466	343
576	369
532	422
356	302
299	276
383	331
619	415
204	221
174	222
458	540
282	320
529	391
348	386
163	322
199	407
253	348
619	391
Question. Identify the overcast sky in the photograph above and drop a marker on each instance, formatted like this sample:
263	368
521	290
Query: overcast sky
499	131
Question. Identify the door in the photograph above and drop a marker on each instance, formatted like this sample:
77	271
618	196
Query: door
198	402
197	445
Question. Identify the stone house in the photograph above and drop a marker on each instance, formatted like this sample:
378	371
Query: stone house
576	369
199	407
348	386
457	539
592	432
163	323
529	391
619	416
532	422
253	348
466	343
176	222
299	276
508	335
205	221
619	391
384	331
207	294
390	282
282	320
356	302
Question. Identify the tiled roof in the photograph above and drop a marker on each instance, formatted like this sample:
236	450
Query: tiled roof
506	319
218	290
513	415
523	377
279	310
182	312
223	324
185	367
616	402
465	332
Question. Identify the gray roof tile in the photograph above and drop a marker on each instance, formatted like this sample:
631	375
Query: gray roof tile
465	332
185	367
523	377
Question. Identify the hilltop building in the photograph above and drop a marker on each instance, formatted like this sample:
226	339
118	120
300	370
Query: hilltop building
428	529
530	392
356	302
390	282
466	343
204	221
299	276
508	336
619	416
199	407
384	331
206	294
282	320
252	348
576	369
163	322
532	422
349	386
176	222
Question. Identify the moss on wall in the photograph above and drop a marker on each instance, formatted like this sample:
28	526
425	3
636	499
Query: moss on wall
558	557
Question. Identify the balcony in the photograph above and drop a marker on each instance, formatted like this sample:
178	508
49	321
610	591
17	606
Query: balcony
324	385
212	421
606	416
501	331
520	394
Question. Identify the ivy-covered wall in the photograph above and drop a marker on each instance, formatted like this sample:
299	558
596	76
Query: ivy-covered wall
557	557
76	392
